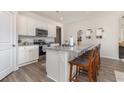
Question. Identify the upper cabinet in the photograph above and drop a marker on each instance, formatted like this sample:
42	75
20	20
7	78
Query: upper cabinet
31	24
51	30
22	25
27	25
41	25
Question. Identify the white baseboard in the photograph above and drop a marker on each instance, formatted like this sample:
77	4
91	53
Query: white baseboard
16	68
27	63
110	57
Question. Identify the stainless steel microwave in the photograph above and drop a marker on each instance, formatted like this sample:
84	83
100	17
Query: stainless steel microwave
41	32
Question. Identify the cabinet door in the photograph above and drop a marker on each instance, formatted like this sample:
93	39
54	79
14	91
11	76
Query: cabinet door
23	55
22	25
45	26
38	24
41	25
63	66
33	53
28	54
52	65
36	52
31	26
51	30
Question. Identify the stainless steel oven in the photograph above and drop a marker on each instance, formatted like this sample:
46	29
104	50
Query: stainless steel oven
41	32
41	44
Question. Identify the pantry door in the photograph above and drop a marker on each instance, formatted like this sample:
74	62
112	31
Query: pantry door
6	44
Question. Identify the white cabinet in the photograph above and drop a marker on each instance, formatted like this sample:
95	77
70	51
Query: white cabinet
23	55
38	24
28	54
63	66
27	25
45	26
22	25
33	52
31	25
52	65
57	66
52	30
41	25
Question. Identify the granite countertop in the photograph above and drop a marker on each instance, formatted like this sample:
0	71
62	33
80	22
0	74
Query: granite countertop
76	48
21	45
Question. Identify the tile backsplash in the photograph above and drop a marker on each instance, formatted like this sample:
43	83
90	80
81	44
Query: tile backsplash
30	39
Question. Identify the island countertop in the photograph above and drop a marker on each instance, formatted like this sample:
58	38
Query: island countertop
76	48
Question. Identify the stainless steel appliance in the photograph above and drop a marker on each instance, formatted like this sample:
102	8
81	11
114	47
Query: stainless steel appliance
41	44
41	32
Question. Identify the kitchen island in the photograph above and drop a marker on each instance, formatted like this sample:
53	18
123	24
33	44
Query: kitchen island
57	58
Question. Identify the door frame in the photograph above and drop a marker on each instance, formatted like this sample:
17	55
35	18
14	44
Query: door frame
15	42
59	27
14	39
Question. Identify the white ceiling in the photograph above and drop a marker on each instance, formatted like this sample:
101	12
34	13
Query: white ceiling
64	16
72	16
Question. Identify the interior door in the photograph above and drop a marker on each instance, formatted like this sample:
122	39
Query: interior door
6	41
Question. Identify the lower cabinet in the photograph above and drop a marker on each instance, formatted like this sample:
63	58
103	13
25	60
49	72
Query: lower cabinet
52	65
57	66
27	54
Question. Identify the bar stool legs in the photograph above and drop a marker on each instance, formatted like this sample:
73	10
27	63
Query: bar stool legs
71	68
71	78
77	72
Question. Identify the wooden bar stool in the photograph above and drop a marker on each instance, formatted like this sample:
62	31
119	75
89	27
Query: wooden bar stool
99	60
87	64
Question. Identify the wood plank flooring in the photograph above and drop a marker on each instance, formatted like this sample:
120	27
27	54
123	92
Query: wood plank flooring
36	72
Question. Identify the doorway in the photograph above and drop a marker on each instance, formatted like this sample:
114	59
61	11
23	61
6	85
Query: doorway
121	38
58	35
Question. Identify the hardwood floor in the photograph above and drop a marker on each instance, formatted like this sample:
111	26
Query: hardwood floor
36	72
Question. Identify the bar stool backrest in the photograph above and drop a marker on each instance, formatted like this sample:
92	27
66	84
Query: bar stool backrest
92	53
94	64
99	46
